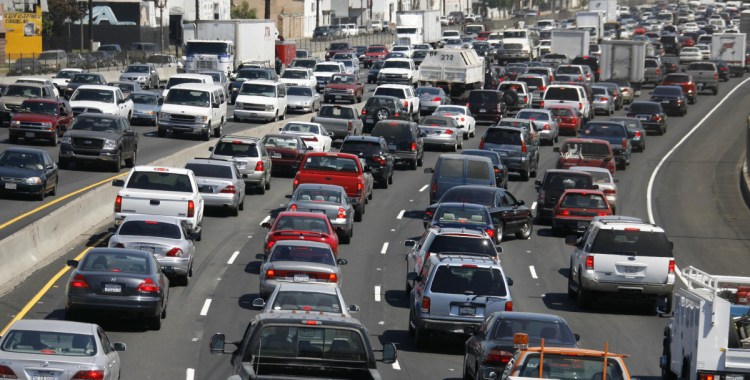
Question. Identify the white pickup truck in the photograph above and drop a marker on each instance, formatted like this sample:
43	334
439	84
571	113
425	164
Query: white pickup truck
101	99
399	71
156	190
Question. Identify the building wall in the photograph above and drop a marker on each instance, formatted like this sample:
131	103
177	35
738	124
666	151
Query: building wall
384	10
309	15
277	7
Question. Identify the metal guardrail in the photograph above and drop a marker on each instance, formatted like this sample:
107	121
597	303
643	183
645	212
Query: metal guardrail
96	61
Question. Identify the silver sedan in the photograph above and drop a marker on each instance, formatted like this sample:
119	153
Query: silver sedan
220	183
431	98
300	262
61	350
319	298
605	182
162	236
302	99
603	100
544	123
441	131
327	199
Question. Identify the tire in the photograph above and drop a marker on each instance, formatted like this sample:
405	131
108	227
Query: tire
390	178
63	163
420	338
345	238
420	160
13	139
413	165
454	147
218	130
583	298
571	291
715	91
384	183
53	192
235	211
130	162
382	114
262	187
54	139
161	133
524	175
241	206
268	185
369	197
358	212
276	117
500	232
117	165
207	134
154	323
526	231
71	315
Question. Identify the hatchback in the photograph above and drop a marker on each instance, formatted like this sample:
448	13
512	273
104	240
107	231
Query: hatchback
250	157
380	108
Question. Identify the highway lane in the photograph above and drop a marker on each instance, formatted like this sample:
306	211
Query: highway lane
628	327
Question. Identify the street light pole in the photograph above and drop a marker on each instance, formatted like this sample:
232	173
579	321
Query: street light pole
91	25
317	13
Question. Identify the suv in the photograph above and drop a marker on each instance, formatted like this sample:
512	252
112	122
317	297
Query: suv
653	72
670	44
379	108
568	94
143	74
581	71
193	108
374	151
99	137
405	93
517	147
251	158
591	62
40	118
261	99
53	60
454	291
621	254
404	141
551	187
486	105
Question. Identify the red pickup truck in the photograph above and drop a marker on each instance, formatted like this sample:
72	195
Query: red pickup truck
374	53
41	118
586	152
342	169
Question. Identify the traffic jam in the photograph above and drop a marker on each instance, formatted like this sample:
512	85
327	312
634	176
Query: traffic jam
385	211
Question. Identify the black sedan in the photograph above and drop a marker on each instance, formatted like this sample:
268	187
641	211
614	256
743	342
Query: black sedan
671	98
491	347
27	171
651	114
501	171
513	216
117	280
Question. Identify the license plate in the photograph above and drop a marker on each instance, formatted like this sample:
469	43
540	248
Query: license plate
338	96
43	375
206	189
369	121
583	225
482	110
391	146
503	153
320	211
630	269
29	134
276	155
665	102
112	288
643	117
301	278
11	186
734	377
241	165
466	310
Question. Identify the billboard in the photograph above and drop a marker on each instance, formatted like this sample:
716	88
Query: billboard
23	34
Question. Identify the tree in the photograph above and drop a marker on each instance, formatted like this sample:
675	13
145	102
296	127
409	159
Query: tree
53	22
243	11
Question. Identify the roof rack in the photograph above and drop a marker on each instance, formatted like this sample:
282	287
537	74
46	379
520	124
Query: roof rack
442	256
238	137
621	219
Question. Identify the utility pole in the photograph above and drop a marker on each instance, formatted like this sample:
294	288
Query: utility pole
197	10
267	13
91	25
317	13
161	4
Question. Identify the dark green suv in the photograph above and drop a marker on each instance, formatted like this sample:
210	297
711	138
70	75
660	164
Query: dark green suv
379	108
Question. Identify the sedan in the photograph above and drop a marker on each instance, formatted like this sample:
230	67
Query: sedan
28	171
302	99
65	350
220	183
145	108
626	89
690	54
441	131
462	115
318	298
327	199
117	280
705	51
493	348
162	236
286	151
431	98
577	207
689	88
671	98
636	132
567	117
299	262
127	88
295	225
603	102
544	121
314	134
650	114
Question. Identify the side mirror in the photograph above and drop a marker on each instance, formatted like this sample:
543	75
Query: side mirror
73	263
556	149
429	170
118	183
412	276
341	261
130	133
266	225
520	202
353	308
571	240
390	353
288	196
210	149
259	303
244	176
119	346
217	344
538	183
410	243
470	330
510	281
281	129
578	337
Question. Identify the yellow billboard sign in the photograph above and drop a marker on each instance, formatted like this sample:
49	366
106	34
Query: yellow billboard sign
23	34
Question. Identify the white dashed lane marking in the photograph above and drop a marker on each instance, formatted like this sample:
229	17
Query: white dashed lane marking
377	293
234	256
267	218
533	272
206	305
384	249
190	374
423	189
533	206
400	215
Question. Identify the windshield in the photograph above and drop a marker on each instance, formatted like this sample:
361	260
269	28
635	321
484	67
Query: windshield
24	160
256	89
345	79
96	124
49	343
566	367
295	74
532	82
175	81
301	253
85	78
306	63
211	48
463	195
137	69
605	130
150	228
339	46
396	65
644	108
299	91
275	345
281	142
376	49
469	216
666	91
23	91
145	99
455	279
295	127
337	112
462	244
561	93
45	108
450	110
47	55
561	181
428	90
65	74
92	95
586	149
502	137
160	181
406	30
386	91
317	195
514	34
327	163
210	171
189	98
564	112
253	74
328	68
365	148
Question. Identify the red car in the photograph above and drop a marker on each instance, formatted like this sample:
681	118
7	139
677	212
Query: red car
286	151
576	208
40	118
585	152
374	53
685	81
567	118
685	41
483	36
311	226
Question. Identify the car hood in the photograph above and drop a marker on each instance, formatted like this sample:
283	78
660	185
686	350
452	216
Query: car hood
125	76
13	172
34	117
324	74
255	99
90	104
13	100
294	99
92	134
340	86
60	81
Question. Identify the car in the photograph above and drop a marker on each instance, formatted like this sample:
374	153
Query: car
418	56
79	350
577	207
143	74
328	199
83	78
61	79
403	139
501	171
544	121
516	146
522	92
196	108
437	303
591	61
246	74
617	253
302	99
651	115
553	184
561	360
690	54
689	88
119	281
351	66
310	296
705	51
616	134
374	53
299	261
724	70
382	107
583	151
298	77
28	171
441	131
343	87
146	107
613	90
468	216
220	183
261	99
347	55
286	151
43	81
568	118
99	138
296	225
491	348
374	151
102	99
486	105
190	78
220	78
314	134
462	115
431	98
39	118
583	72
164	237
604	181
672	99
15	94
250	157
405	93
324	70
372	74
536	84
340	120
127	88
653	71
626	89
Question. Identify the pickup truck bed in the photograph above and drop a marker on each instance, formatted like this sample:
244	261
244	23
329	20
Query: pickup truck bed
705	75
341	120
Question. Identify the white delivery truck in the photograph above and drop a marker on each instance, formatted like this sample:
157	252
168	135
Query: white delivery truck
224	44
708	336
623	60
573	43
457	71
607	7
593	22
420	27
730	48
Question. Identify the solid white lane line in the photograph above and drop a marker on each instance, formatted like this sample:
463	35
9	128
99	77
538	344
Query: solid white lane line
206	305
424	187
377	293
533	206
234	256
396	366
190	375
533	272
384	249
400	214
267	218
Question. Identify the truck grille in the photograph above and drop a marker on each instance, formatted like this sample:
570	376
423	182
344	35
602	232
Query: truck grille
254	107
209	65
85	142
337	91
183	118
393	76
13	179
32	125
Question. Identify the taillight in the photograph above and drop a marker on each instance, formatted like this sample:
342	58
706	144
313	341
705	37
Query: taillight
497	356
118	203
490	233
359	186
542	104
609	191
655	117
293	208
462	119
85	375
546	127
332	277
148	286
624	143
433	187
259	166
311	139
671	266
380	160
481	143
406	103
637	134
563	212
7	373
657	71
270	274
413	147
426	304
191	209
364	111
580	78
395	114
590	262
602	99
523	147
541	88
437	99
341	214
716	76
602	213
229	190
509	306
467	104
450	132
295	183
78	282
174	252
349	126
580	106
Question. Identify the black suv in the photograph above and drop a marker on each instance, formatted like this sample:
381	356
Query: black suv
651	114
99	137
591	62
374	150
553	185
379	108
670	44
404	140
486	105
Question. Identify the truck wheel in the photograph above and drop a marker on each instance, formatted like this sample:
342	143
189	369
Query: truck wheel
54	139
161	133
218	130
130	162
358	212
715	91
524	175
117	165
583	297
207	134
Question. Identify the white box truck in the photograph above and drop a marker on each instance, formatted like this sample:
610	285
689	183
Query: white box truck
623	60
420	27
608	7
573	43
593	22
456	71
730	48
224	44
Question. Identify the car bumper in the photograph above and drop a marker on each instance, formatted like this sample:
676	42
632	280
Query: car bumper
546	134
448	140
492	117
651	126
632	288
427	109
452	326
20	188
515	164
31	133
175	266
172	126
142	118
219	200
571	224
285	164
327	98
264	115
84	155
253	177
600	106
299	108
407	81
405	156
143	305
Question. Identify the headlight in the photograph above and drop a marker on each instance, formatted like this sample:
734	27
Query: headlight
5	107
15	124
163	115
45	125
65	140
306	103
201	119
110	144
269	107
404	75
350	91
148	112
238	105
141	78
34	181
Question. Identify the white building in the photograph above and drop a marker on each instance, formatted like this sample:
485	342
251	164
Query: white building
208	9
324	15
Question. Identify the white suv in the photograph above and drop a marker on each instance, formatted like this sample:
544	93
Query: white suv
623	255
193	108
405	93
261	99
568	94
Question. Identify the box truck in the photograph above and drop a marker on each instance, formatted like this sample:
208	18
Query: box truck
573	43
730	48
593	22
607	7
420	27
623	60
457	71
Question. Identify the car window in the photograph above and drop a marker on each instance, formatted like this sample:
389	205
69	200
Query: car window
562	93
606	130
279	342
450	279
302	253
584	200
632	242
462	244
236	149
502	136
393	132
150	228
341	164
366	148
452	168
463	195
160	181
211	171
385	91
307	301
553	332
317	195
566	367
96	124
477	170
50	343
115	262
561	181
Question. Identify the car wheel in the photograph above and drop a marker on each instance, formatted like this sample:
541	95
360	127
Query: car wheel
117	165
63	163
345	238
411	313
420	338
390	177
500	232
268	184
218	130
413	165
161	133
526	229
384	183
262	187
454	147
420	160
71	315
241	206
54	139
466	136
235	211
207	134
524	175
358	211
276	116
382	114
583	298
155	323
53	192
571	291
130	162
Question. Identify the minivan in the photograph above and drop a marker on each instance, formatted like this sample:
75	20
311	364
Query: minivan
404	140
455	169
193	108
186	78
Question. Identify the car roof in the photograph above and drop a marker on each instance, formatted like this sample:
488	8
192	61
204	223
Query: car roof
148	168
299	214
102	116
296	316
319	186
52	325
210	161
528	316
98	87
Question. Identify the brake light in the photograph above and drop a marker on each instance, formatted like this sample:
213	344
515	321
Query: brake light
229	190
332	277
270	273
580	106
174	252
148	286
78	282
716	76
655	118
259	166
637	134
546	127
498	356
380	160
657	71
311	139
624	143
437	99
467	104
541	88
364	111
602	99
395	114
490	233
609	191
349	126
509	306
598	71
481	143
295	183
580	78
603	213
542	104
523	147
564	212
433	187
450	132
118	203
590	262
462	119
191	209
406	103
293	208
359	186
413	147
426	304
86	375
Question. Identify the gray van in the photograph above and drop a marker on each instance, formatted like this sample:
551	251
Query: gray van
456	169
518	149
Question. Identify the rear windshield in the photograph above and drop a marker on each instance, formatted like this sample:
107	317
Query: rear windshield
366	148
484	97
160	181
567	367
586	149
115	262
569	70
294	127
553	332
317	195
392	133
276	345
235	149
461	215
502	136
307	301
337	113
301	223
395	92
645	108
50	343
561	181
598	90
679	78
561	93
428	90
150	228
533	115
702	66
281	142
435	122
632	241
532	82
339	164
667	90
463	244
463	195
562	111
212	171
455	279
302	253
607	130
455	168
582	200
651	63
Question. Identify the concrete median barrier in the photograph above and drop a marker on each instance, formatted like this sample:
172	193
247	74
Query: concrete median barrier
110	76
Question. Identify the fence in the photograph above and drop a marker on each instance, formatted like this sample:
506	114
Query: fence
97	61
367	39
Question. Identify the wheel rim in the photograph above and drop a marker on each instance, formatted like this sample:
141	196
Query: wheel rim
382	114
526	229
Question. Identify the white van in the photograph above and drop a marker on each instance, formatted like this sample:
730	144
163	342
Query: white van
186	78
193	108
261	99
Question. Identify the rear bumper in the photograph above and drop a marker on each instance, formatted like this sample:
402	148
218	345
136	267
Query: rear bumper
142	305
571	224
405	156
448	140
219	200
627	288
447	325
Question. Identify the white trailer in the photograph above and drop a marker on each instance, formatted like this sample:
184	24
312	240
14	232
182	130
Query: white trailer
252	40
623	60
420	27
573	43
607	7
456	71
593	22
707	336
730	48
